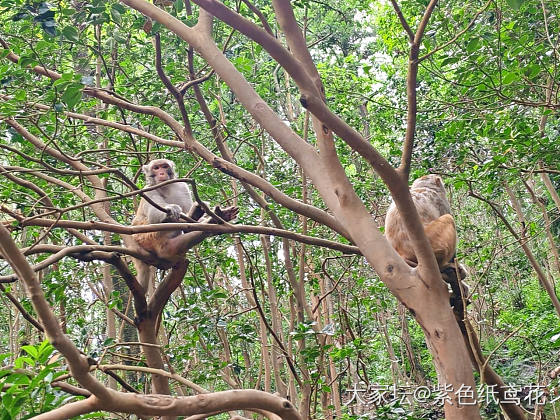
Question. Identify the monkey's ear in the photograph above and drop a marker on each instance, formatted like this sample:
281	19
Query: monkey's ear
146	170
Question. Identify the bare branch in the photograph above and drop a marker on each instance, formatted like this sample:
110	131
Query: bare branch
226	167
411	81
424	22
170	87
26	315
261	17
403	21
187	227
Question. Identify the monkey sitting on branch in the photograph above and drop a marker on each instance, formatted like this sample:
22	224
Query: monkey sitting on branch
175	198
430	199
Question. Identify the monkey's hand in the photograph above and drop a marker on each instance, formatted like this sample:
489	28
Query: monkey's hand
173	213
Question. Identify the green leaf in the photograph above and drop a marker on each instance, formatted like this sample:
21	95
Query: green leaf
116	15
72	95
45	350
25	61
20	95
41	45
155	28
49	26
31	350
532	71
20	362
108	341
509	78
71	33
515	4
472	45
119	8
17	379
68	12
449	60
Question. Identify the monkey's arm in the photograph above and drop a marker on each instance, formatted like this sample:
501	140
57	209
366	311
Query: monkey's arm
155	215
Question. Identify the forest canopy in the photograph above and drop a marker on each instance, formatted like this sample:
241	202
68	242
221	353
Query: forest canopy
304	120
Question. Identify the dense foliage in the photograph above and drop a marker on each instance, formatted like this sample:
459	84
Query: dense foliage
487	122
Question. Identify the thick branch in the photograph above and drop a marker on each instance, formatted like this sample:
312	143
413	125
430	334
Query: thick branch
403	21
312	100
167	287
191	227
311	95
77	362
302	152
227	167
109	400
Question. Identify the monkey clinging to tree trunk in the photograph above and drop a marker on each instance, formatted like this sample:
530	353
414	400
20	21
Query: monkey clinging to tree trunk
428	194
430	200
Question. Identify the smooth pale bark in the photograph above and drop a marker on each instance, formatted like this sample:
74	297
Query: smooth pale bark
421	289
551	190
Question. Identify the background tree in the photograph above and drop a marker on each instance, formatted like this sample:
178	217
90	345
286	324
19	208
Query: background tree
288	111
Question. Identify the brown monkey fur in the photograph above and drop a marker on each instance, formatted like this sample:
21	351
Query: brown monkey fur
430	199
176	199
428	194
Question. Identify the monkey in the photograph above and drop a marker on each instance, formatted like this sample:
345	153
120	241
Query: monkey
429	197
176	199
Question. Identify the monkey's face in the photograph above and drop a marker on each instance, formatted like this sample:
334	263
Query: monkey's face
158	171
161	172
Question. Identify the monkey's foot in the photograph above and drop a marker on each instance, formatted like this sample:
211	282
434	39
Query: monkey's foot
173	213
227	214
